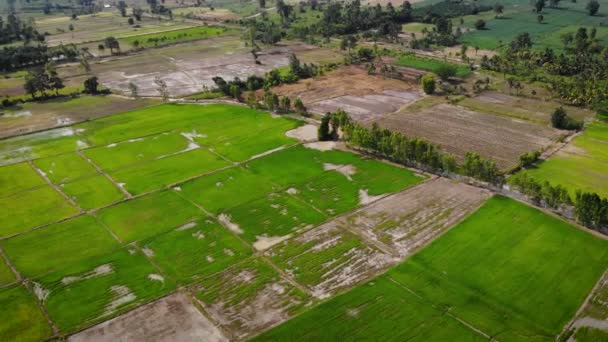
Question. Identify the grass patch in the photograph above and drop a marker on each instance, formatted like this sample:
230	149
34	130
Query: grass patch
20	317
64	168
177	36
276	214
58	246
581	165
114	156
162	172
430	64
103	287
361	315
196	250
32	208
39	145
93	192
148	216
497	270
588	334
217	192
6	275
18	177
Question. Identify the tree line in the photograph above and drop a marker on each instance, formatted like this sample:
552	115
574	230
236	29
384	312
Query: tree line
589	208
399	148
18	57
16	30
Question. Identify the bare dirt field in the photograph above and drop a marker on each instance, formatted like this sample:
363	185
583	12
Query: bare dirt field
191	69
408	220
173	318
536	110
459	130
363	96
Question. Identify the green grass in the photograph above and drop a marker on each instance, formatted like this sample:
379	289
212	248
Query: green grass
429	64
114	156
39	145
581	167
196	250
509	270
92	192
377	311
89	296
587	334
519	18
32	208
6	275
162	172
216	192
58	246
18	177
64	168
178	36
20	317
277	214
148	216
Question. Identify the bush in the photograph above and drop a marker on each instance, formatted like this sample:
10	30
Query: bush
428	83
480	24
445	71
561	120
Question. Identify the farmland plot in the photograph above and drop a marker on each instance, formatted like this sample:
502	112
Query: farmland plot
171	318
497	270
250	297
496	138
20	317
409	220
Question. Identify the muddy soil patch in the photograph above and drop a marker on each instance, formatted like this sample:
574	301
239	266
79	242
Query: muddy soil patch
351	88
329	258
172	318
410	219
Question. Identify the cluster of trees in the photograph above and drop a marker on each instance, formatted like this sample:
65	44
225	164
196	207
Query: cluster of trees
18	57
273	78
42	80
416	152
589	208
15	30
275	103
578	74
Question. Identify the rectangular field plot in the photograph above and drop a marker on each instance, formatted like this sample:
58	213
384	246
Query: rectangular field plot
271	217
18	177
6	275
408	220
147	216
20	317
117	155
92	192
498	270
32	208
39	145
102	287
160	173
582	164
329	258
497	138
195	249
226	189
64	168
249	297
376	311
172	318
58	246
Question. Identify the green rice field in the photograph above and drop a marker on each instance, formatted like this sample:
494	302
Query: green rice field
176	36
582	164
112	213
496	271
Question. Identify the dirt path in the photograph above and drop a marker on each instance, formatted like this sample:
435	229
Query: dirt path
578	321
46	179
